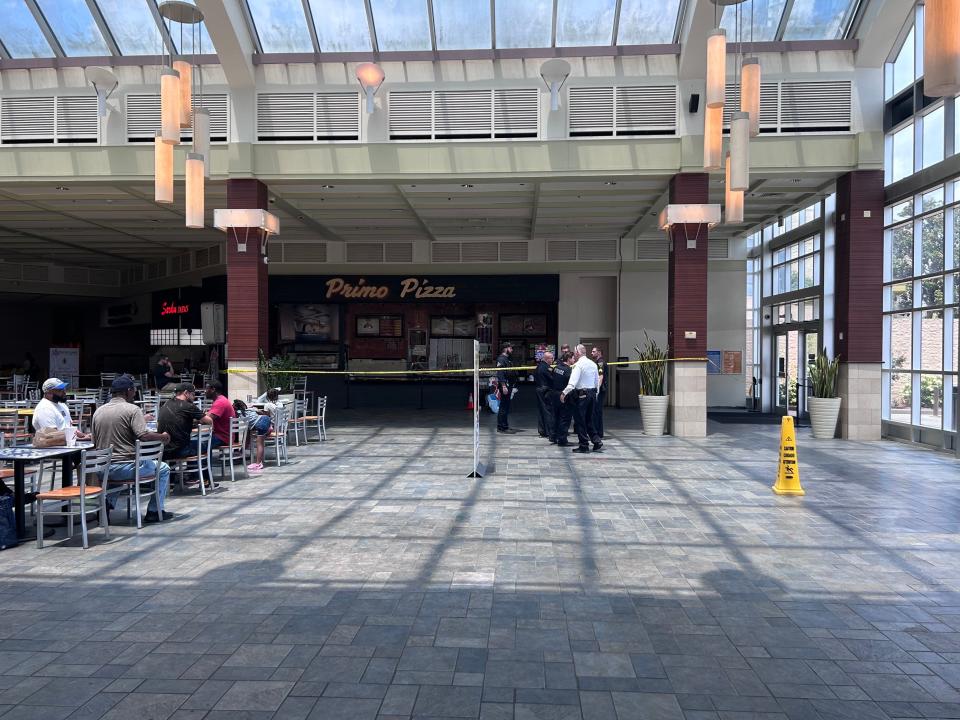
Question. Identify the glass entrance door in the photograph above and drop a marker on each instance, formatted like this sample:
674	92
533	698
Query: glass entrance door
795	350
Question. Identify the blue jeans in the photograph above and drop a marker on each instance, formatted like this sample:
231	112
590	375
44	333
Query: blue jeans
126	471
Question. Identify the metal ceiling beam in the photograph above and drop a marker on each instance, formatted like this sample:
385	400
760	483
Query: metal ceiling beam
162	27
371	26
616	23
252	26
784	17
416	216
433	26
231	39
553	26
45	28
311	26
493	24
4	54
103	27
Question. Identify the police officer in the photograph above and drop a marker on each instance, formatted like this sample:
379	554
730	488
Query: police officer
581	389
544	380
561	410
597	355
505	381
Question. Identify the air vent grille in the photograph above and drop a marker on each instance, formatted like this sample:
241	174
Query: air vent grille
718	249
562	250
39	273
27	120
398	252
364	252
516	113
80	276
516	251
10	271
479	252
445	252
77	119
307	117
652	248
104	277
464	114
815	106
460	114
338	116
622	111
597	249
143	117
769	105
304	252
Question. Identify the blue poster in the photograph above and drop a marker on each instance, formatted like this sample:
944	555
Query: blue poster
713	362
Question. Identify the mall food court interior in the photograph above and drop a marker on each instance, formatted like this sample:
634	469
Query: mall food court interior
354	193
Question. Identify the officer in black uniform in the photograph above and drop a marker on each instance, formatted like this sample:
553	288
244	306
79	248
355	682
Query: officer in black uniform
543	376
505	381
597	355
562	412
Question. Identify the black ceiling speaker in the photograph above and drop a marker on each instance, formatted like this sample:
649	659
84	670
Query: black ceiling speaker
694	104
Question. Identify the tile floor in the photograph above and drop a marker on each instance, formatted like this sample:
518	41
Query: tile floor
370	578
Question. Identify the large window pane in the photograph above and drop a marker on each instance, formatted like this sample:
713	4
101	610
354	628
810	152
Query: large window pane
900	396
901	296
902	67
956	237
816	20
901	252
585	22
20	33
933	137
524	24
132	26
281	25
342	26
647	21
401	24
462	24
74	27
766	19
901	164
931	400
931	340
901	341
931	244
931	292
956	342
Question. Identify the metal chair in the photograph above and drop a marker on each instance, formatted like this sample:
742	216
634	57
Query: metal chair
319	420
151	451
106	379
198	463
235	449
277	438
14	428
72	501
298	421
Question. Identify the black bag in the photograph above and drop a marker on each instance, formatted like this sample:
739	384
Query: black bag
8	524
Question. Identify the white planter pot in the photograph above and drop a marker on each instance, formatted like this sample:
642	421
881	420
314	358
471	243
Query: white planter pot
823	416
653	409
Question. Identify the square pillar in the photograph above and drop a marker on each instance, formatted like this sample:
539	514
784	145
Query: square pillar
247	302
859	302
687	311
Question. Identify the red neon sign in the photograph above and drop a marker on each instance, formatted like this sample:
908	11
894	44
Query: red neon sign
173	309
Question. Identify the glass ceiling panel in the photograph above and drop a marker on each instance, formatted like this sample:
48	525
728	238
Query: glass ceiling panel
74	27
816	20
341	25
401	24
178	30
20	33
526	24
585	22
766	20
647	21
281	26
133	26
462	24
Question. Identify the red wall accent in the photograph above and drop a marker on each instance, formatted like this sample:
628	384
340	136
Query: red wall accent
687	283
859	267
247	309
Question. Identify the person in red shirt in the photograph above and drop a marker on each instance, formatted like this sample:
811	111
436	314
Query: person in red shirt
221	411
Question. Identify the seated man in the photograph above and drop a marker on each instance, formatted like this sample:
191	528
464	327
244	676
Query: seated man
52	412
163	373
119	424
221	411
176	418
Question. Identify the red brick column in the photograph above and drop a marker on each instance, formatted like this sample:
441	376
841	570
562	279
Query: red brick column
858	310
687	311
247	304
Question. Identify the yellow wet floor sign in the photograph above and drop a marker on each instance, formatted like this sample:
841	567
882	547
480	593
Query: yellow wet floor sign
788	471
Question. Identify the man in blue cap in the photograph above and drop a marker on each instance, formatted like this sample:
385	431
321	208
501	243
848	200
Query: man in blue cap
119	424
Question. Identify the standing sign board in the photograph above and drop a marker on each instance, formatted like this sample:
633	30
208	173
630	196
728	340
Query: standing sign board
65	364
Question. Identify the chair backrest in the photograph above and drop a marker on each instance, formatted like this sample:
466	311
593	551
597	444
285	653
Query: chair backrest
322	406
238	430
95	462
76	410
299	409
149	450
14	424
281	419
107	378
204	439
300	383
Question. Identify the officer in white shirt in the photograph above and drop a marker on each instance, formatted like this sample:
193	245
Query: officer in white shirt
582	390
52	411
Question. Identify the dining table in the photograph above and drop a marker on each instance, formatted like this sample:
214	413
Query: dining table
21	456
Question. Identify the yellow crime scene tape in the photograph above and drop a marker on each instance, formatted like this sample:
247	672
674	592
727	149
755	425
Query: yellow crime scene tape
238	371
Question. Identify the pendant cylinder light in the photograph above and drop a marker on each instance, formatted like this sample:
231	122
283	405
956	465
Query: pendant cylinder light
733	201
750	92
716	68
712	138
162	170
170	106
739	151
194	187
201	137
941	48
186	91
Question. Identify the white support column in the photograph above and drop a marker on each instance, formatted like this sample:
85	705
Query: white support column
241	385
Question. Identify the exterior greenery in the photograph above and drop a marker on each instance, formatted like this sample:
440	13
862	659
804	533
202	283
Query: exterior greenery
277	371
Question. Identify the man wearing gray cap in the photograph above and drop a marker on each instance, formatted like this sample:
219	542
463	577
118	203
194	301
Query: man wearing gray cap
52	412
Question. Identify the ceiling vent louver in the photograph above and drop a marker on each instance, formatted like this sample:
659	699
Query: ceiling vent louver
516	113
561	250
286	116
143	117
398	252
464	114
445	252
622	111
652	248
36	273
411	115
718	249
359	252
27	120
305	252
769	106
479	252
514	251
821	106
597	249
338	116
77	120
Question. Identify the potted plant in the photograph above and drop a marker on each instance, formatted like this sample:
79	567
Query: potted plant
653	401
278	371
824	405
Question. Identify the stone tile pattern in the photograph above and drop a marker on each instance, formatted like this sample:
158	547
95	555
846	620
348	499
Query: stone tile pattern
687	385
370	578
859	386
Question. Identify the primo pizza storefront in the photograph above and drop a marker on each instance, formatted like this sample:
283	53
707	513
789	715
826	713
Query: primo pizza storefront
371	323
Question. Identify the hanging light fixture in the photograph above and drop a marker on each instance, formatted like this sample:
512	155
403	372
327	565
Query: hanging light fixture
712	138
941	48
201	137
370	76
555	73
733	201
162	170
186	90
716	68
750	92
194	187
170	106
739	151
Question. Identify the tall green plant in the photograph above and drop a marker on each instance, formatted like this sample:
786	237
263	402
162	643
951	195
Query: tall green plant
824	373
278	371
653	367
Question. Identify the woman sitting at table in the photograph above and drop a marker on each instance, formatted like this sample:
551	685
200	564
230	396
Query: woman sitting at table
52	412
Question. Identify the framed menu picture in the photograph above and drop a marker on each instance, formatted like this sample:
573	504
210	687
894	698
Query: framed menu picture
368	326
391	326
535	325
732	362
441	327
464	327
511	325
385	326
